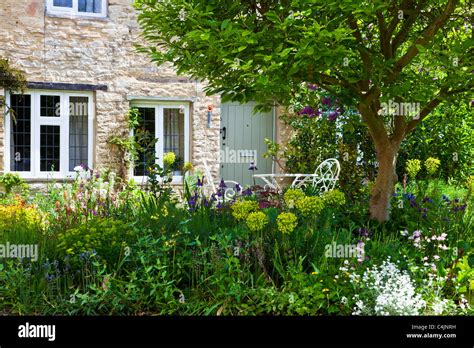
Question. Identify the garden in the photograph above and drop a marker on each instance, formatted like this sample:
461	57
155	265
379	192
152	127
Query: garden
108	246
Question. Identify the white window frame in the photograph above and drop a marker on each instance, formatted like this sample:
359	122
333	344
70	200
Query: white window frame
74	10
37	121
159	133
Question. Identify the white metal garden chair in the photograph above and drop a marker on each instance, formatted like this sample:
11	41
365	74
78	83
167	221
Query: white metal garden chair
324	177
210	186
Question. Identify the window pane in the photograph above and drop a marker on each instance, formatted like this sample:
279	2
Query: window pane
50	106
91	6
145	136
78	131
49	148
20	135
62	3
174	136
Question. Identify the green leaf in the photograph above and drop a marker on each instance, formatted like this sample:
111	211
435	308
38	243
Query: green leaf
285	52
225	24
205	36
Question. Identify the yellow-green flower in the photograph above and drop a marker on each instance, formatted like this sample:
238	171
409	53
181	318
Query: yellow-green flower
287	222
309	206
432	165
188	166
168	159
470	184
334	197
241	209
256	221
293	195
413	167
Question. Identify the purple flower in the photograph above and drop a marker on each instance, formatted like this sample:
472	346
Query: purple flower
200	182
222	184
312	86
472	103
238	188
332	116
427	199
417	234
192	202
247	192
308	111
326	101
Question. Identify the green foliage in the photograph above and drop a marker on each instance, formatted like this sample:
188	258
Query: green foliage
446	135
9	181
10	78
108	238
150	254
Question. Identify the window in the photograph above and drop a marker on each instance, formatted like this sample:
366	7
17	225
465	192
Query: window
49	133
163	128
91	8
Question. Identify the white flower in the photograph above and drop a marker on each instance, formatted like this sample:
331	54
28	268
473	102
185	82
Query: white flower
404	233
442	237
78	168
391	290
436	257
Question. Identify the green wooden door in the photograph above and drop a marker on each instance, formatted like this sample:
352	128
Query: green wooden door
242	142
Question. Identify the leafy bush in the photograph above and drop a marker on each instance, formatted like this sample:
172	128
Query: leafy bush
106	237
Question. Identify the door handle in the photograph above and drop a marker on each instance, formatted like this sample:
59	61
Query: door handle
224	132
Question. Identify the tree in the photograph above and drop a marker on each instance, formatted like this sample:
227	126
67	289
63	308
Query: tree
381	57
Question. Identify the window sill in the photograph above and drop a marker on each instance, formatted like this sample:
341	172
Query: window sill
75	16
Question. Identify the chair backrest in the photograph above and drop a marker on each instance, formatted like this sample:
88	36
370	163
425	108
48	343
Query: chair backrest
327	174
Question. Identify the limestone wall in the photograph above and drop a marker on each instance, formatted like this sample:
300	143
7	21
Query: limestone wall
100	51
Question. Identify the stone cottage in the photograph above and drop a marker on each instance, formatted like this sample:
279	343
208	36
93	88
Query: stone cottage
84	74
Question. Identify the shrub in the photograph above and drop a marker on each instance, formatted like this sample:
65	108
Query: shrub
241	209
108	238
310	206
256	221
287	222
10	181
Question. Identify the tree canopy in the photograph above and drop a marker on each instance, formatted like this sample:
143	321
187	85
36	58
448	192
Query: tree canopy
367	54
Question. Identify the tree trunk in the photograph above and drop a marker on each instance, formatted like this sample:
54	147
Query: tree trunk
387	151
384	184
